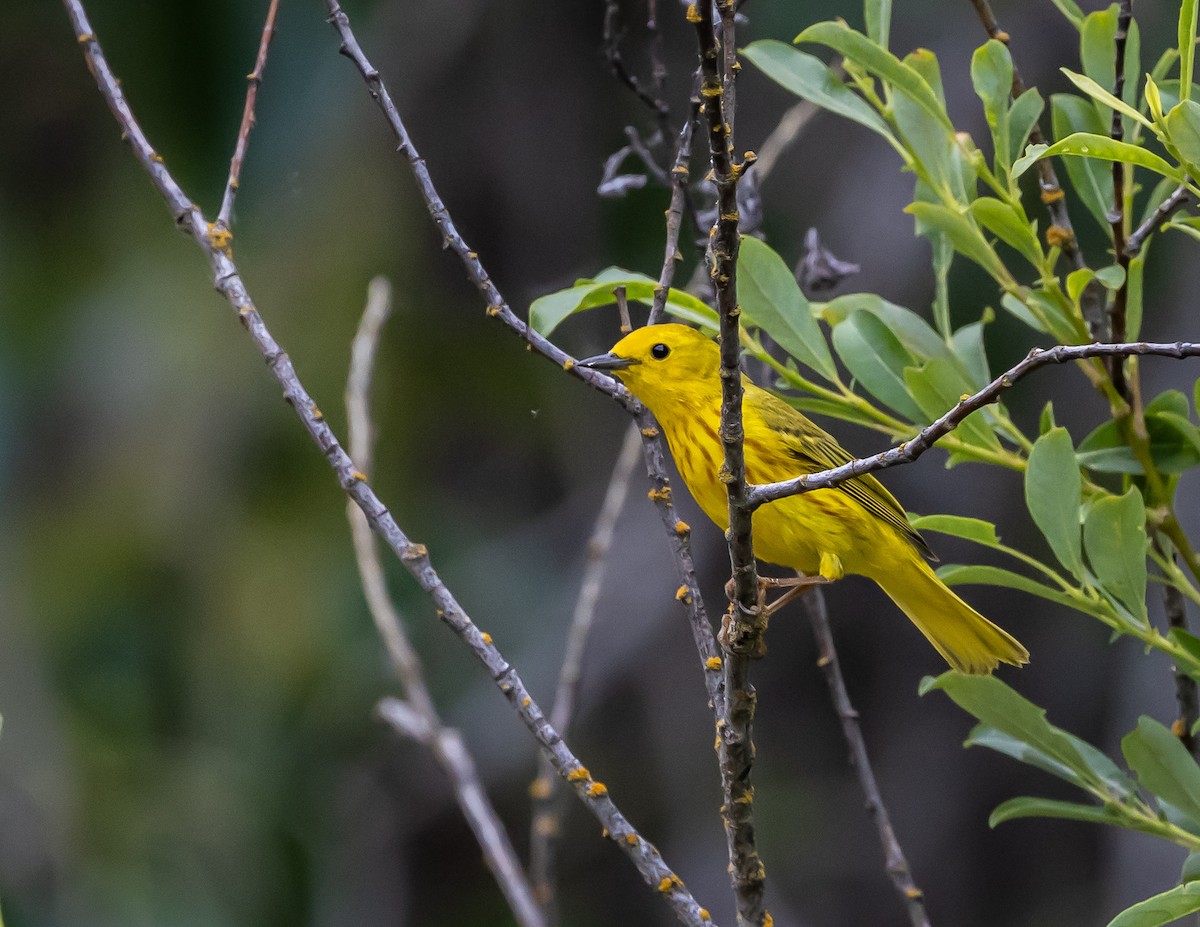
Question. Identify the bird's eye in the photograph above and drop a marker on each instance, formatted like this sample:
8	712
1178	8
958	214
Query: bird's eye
659	351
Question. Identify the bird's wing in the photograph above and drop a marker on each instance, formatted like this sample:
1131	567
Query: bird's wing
814	449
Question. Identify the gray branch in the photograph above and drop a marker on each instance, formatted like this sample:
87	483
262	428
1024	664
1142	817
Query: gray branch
894	860
546	824
414	556
908	451
417	717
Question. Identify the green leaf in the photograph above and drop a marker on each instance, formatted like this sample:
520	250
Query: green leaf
1164	908
998	705
963	233
879	61
1112	276
878	14
771	300
1174	446
1163	766
876	358
1046	420
1115	782
1071	10
547	312
991	73
1097	46
1077	281
931	142
921	341
968	347
1052	489
1022	117
959	526
1028	807
1099	93
810	78
1010	225
1114	536
1196	394
1092	180
937	387
1183	131
980	574
1172	401
1018	309
1100	147
1190	871
1187	45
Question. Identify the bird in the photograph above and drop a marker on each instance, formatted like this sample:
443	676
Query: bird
857	527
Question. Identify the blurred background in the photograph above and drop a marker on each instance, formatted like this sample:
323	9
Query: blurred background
187	669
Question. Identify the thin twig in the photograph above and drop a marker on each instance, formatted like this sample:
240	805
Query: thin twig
1164	211
253	79
794	120
444	743
612	51
908	451
415	558
497	308
679	192
742	632
546	822
894	859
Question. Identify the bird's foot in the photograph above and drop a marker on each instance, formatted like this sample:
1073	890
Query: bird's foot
793	586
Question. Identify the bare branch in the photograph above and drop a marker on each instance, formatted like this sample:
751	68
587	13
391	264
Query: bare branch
497	306
417	717
660	491
679	192
612	51
546	824
910	450
1164	211
745	624
894	859
254	78
412	555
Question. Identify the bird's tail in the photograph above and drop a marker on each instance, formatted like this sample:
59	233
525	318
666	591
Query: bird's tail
969	642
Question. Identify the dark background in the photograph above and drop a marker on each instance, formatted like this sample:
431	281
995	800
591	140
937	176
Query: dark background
187	669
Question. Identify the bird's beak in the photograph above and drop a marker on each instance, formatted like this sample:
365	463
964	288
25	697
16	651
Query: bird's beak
607	361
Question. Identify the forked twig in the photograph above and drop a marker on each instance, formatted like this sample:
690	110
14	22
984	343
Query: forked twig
417	716
412	555
253	79
1137	238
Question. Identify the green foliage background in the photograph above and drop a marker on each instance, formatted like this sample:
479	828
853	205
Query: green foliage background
187	671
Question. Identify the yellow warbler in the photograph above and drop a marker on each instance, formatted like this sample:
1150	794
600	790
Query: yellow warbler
857	527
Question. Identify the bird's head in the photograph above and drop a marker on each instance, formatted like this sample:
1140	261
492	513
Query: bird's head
663	363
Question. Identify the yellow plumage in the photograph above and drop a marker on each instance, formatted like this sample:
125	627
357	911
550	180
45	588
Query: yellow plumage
857	527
